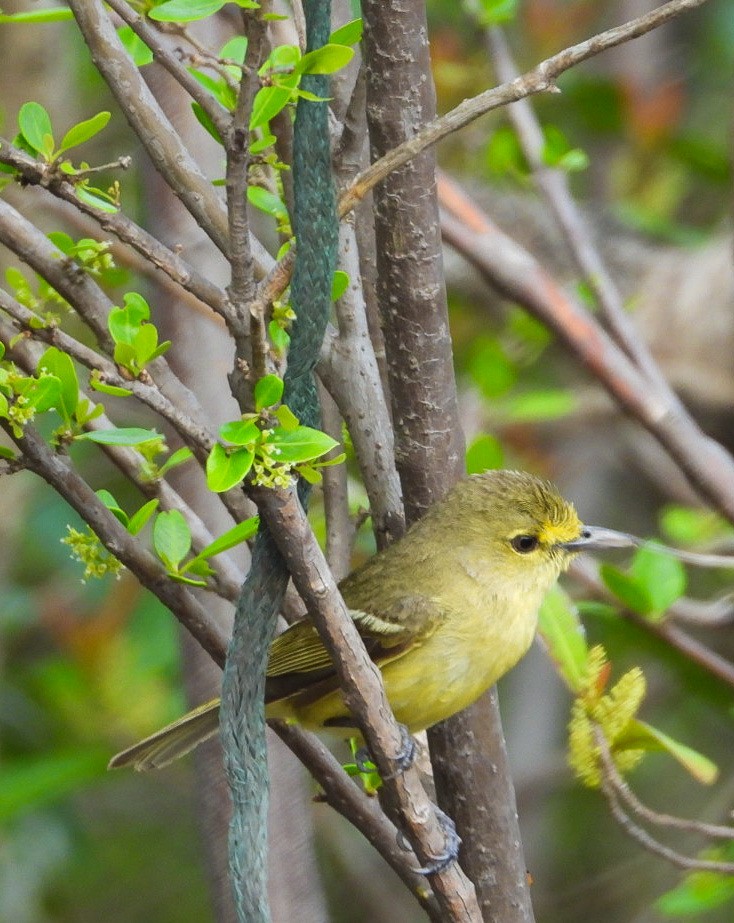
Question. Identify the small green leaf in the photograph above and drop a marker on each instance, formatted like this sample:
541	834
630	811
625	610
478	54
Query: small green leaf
225	470
131	435
177	458
339	284
83	131
638	735
96	201
171	538
561	629
51	14
279	337
235	49
348	34
135	46
185	10
234	536
627	590
300	445
5	452
189	581
268	391
203	118
267	202
263	143
35	126
124	323
493	12
113	506
325	60
59	364
483	453
97	384
687	526
139	519
662	577
545	404
240	432
287	419
699	892
268	102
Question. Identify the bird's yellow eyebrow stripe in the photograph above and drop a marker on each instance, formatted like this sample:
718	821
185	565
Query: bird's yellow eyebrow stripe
554	533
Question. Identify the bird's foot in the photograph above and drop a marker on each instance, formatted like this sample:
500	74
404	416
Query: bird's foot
449	855
403	760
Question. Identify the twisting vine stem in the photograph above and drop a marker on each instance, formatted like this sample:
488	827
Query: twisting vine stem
243	687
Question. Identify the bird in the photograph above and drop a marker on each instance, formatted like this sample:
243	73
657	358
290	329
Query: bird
444	612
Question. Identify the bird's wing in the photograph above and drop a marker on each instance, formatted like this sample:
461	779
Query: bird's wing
299	660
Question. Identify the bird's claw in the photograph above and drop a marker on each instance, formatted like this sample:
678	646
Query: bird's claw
450	854
402	761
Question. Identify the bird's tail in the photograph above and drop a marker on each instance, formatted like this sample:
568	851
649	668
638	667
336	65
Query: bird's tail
172	741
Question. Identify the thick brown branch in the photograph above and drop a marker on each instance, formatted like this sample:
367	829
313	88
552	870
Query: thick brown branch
364	694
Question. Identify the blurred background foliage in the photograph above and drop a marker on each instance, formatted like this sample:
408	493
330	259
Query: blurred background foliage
645	136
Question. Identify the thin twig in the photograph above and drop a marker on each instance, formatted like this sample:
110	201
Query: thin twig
553	185
613	794
36	173
540	78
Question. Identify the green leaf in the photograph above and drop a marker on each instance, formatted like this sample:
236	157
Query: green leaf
189	581
261	144
561	629
268	391
131	435
287	419
638	735
686	526
28	783
124	323
5	452
59	364
339	284
490	368
203	118
97	384
35	126
96	201
699	891
135	46
225	470
83	131
267	202
279	337
325	60
113	506
177	458
268	102
627	590
300	445
493	12
484	452
139	519
348	34
171	538
235	49
185	10
505	155
535	406
662	577
240	432
51	14
42	393
232	537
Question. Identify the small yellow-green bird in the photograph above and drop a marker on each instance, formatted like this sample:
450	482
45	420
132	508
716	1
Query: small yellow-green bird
444	612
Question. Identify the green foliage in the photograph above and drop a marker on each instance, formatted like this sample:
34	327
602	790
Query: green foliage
270	443
36	132
700	892
483	453
563	634
491	12
653	583
136	340
172	544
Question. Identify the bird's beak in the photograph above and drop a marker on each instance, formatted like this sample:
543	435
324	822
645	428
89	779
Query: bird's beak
595	538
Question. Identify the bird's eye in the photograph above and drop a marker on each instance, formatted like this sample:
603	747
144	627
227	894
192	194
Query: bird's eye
524	544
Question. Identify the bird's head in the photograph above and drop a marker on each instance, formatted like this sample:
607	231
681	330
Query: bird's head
521	526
